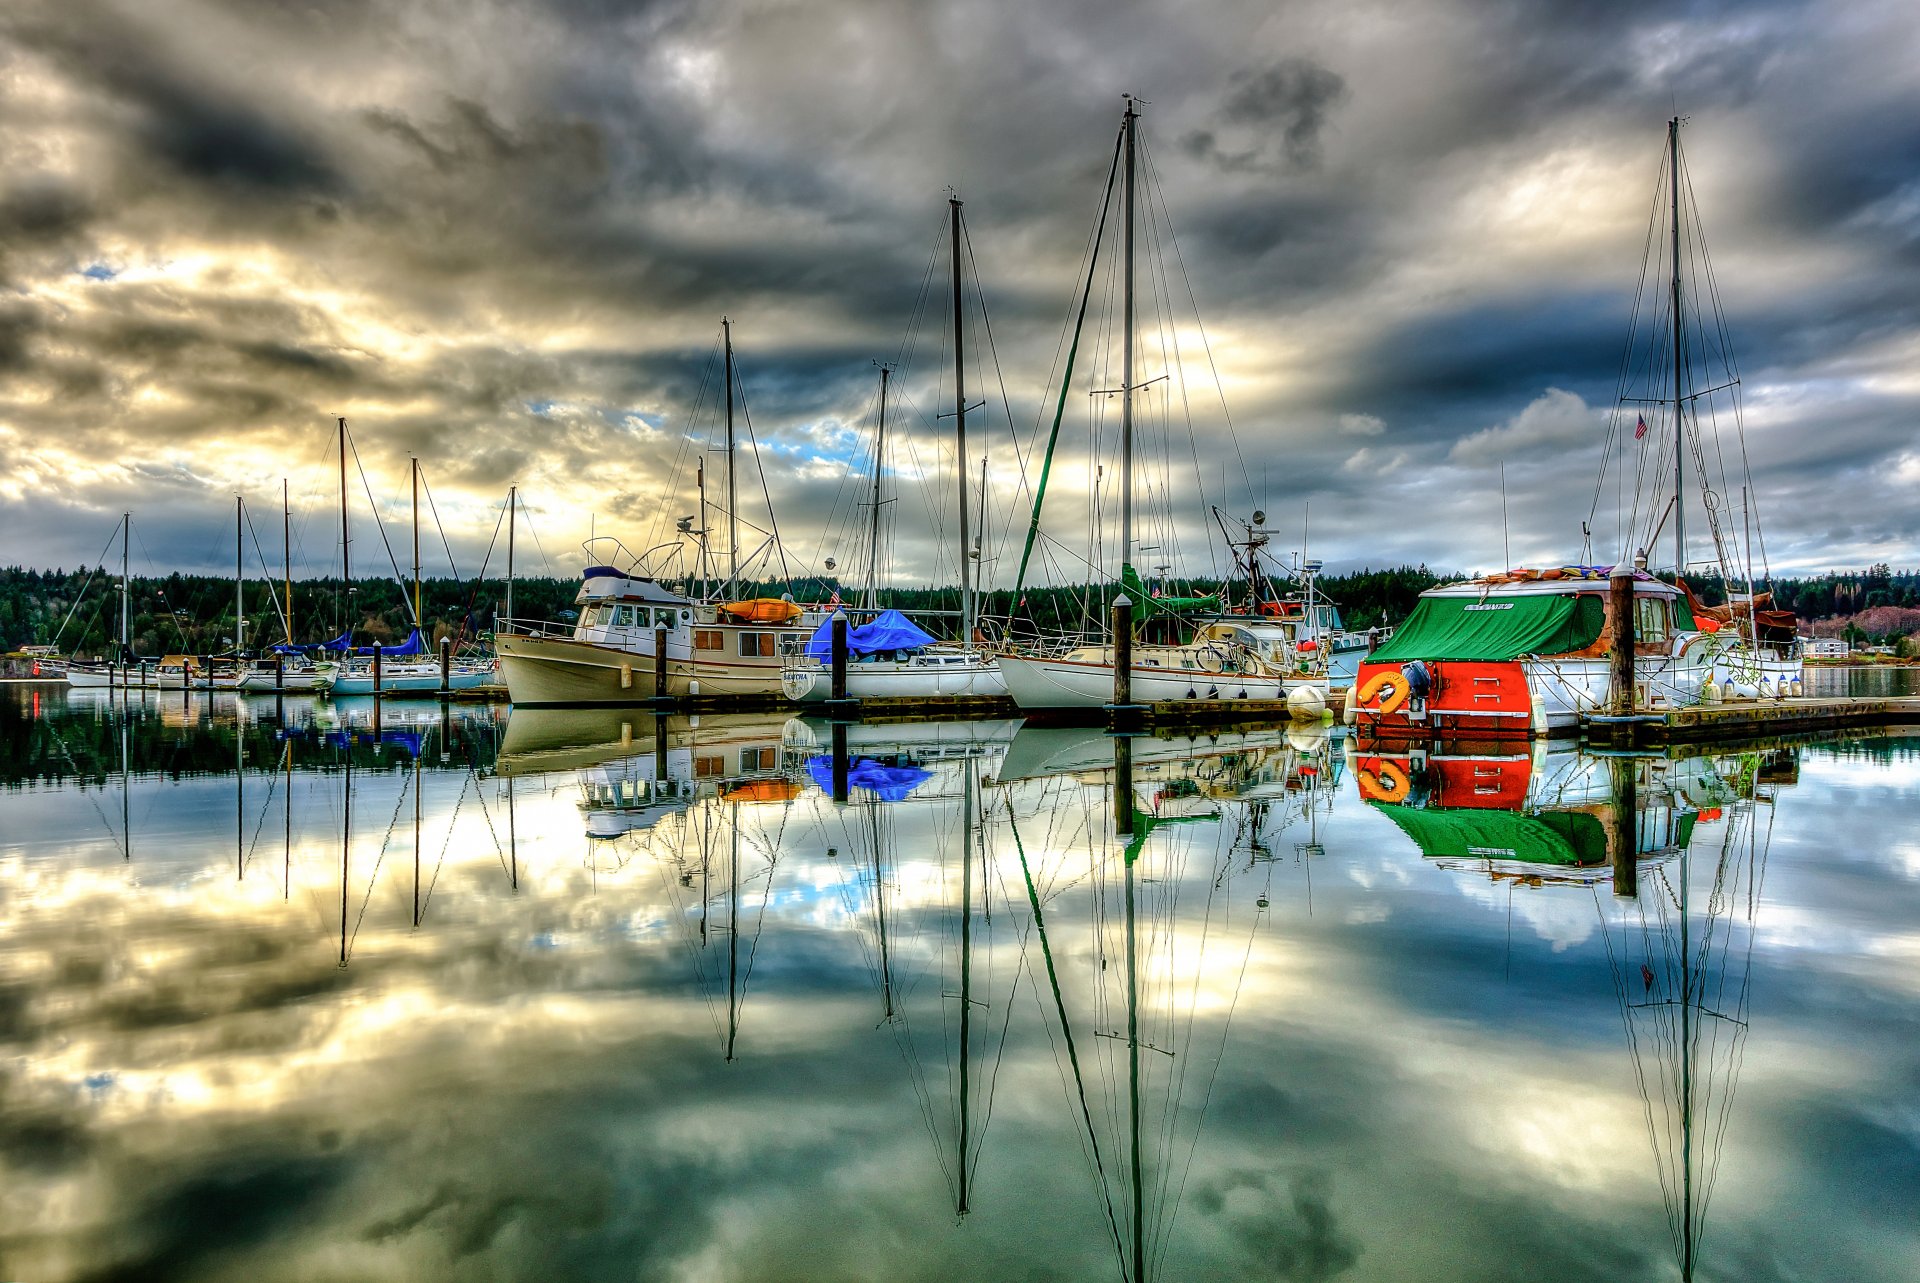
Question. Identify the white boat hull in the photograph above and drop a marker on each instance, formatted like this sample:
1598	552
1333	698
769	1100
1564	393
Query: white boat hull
938	674
408	682
1064	683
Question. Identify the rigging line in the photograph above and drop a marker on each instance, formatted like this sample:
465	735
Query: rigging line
1200	327
378	860
273	782
445	842
267	574
527	512
1006	403
1090	265
82	594
1633	323
434	509
760	466
378	524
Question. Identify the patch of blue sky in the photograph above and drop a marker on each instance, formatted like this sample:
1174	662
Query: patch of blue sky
99	271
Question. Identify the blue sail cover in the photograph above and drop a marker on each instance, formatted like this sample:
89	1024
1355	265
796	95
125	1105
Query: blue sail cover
888	783
411	646
340	643
890	630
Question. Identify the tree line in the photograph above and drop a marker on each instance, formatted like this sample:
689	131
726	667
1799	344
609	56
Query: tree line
78	610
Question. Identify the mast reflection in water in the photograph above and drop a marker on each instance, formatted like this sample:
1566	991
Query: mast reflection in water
635	997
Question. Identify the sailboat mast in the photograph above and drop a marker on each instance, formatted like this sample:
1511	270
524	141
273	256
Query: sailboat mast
733	518
286	550
1126	357
1133	1070
126	586
733	932
416	541
1679	403
873	527
239	574
960	424
966	974
346	563
513	505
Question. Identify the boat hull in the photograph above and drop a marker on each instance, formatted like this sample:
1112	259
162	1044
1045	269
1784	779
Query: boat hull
560	670
1071	683
945	676
411	683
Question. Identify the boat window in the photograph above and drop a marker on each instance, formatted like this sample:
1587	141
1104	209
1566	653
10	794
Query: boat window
1652	617
793	643
708	765
758	759
663	618
709	639
623	617
756	644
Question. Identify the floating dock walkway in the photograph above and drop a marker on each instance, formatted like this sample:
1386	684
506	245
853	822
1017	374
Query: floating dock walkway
1745	719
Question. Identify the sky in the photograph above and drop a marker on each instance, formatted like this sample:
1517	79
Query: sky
1403	243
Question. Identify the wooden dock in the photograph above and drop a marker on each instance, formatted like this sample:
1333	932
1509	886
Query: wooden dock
1746	719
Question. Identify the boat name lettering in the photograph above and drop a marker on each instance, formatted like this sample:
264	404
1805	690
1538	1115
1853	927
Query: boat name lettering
1491	605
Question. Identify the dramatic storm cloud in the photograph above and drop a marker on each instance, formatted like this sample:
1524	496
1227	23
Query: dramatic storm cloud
501	236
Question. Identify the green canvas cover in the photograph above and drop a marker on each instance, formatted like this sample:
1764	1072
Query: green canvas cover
1499	628
1566	838
1131	584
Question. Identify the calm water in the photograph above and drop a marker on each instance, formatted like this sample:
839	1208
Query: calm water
305	996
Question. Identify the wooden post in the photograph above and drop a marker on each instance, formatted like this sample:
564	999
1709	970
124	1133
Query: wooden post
1620	610
839	691
840	761
446	666
1122	651
659	663
279	674
1626	828
376	670
1123	786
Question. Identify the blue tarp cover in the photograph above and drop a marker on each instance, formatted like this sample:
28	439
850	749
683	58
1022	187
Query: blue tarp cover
888	783
890	630
339	643
411	646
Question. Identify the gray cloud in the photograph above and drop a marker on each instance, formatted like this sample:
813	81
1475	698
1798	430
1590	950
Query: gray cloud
493	236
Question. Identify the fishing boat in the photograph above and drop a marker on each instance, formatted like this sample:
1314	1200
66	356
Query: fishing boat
713	646
897	658
1197	659
1530	651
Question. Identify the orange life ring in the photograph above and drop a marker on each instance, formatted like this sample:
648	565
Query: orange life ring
1376	684
1391	785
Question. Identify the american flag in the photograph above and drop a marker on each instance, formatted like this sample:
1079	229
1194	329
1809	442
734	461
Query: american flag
1640	428
835	599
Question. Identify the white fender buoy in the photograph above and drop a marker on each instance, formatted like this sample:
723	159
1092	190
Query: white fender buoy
1797	688
1306	703
1709	692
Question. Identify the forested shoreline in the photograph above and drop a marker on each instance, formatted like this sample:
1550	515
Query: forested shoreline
77	610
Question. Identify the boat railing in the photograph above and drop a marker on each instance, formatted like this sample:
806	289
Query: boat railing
533	627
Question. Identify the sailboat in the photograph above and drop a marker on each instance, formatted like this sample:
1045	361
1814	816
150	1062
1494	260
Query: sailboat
413	675
1530	651
714	645
1221	659
291	669
897	659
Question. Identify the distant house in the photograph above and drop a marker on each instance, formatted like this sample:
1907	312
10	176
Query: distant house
1824	647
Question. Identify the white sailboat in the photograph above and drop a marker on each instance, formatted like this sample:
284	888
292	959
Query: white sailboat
929	668
1222	659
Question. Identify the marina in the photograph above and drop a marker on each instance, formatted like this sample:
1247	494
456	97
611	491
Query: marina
918	643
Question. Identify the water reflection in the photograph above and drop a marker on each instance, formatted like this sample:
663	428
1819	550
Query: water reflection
784	998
